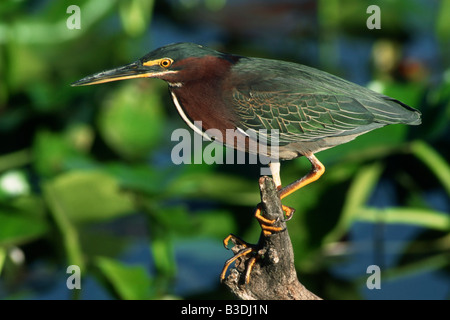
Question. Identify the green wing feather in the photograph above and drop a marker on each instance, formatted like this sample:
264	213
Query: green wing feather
301	117
305	104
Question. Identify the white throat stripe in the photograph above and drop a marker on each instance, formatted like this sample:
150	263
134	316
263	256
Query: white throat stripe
185	118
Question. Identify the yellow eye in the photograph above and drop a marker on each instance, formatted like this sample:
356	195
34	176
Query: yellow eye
165	63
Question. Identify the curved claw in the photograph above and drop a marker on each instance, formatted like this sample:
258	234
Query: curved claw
242	253
226	240
234	240
289	212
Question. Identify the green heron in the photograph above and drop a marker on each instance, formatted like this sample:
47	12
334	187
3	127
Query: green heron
299	109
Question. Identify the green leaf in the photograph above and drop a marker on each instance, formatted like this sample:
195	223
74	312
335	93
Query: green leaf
178	220
357	196
50	151
141	178
67	230
104	242
413	216
132	120
214	223
22	219
135	15
173	218
435	162
128	282
81	196
87	196
14	159
2	258
17	229
217	186
436	262
24	66
442	21
162	248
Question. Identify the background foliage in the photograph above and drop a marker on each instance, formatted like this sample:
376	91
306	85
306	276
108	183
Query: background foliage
86	176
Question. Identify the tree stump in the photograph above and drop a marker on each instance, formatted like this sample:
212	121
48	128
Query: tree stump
273	276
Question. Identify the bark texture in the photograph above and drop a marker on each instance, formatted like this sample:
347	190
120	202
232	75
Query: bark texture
273	276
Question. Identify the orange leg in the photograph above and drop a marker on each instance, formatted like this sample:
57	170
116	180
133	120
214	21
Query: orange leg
316	172
266	224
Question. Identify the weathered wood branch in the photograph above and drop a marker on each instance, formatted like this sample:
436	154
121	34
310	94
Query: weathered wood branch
273	276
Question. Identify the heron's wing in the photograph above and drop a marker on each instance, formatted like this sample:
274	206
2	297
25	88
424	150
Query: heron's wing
300	117
305	104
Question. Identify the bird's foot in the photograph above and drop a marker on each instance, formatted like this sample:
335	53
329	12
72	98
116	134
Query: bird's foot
241	249
267	225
